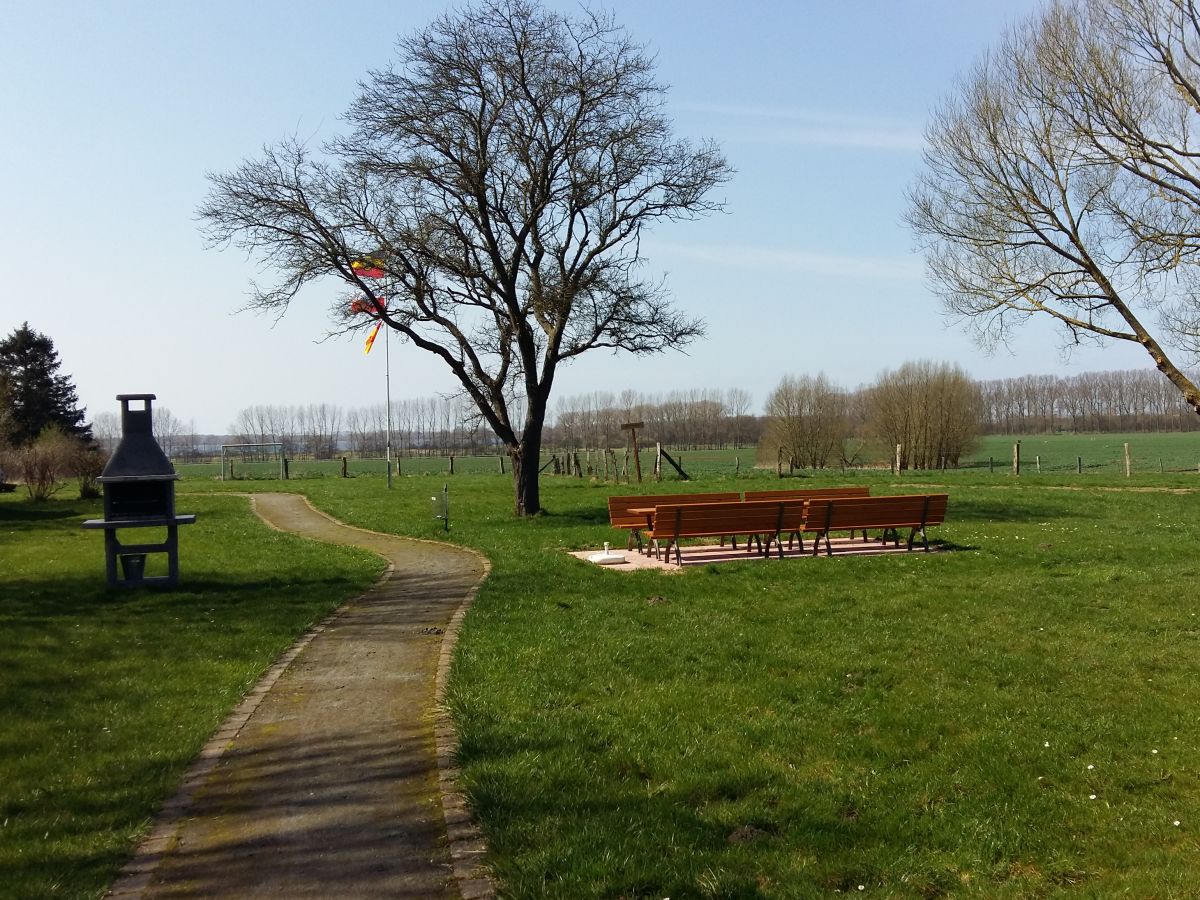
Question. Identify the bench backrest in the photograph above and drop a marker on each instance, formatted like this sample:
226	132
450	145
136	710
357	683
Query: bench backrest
709	519
809	493
620	517
902	511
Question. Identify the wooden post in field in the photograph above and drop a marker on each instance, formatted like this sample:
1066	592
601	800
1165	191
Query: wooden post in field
451	470
501	465
1079	465
1037	462
658	460
604	453
1160	466
589	463
578	468
899	451
344	473
1126	460
1017	458
737	465
632	428
991	464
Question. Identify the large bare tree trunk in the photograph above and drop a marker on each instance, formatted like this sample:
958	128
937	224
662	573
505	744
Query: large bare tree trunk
525	458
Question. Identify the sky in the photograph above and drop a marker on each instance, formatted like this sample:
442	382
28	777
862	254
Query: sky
114	111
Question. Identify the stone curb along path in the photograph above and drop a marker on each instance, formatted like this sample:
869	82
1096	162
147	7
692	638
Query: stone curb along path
335	776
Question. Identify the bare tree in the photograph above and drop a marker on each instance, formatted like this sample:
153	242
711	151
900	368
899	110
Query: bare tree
1062	180
932	410
807	418
107	430
168	431
498	180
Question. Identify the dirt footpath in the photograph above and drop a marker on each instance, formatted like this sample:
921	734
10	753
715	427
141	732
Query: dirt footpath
330	786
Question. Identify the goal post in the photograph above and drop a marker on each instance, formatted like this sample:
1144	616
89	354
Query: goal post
263	457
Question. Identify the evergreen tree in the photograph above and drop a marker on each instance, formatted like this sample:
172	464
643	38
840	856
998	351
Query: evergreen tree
33	395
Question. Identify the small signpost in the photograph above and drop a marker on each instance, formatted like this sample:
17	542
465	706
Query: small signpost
632	428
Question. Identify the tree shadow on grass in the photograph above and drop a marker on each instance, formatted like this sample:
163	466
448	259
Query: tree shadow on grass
1023	510
30	512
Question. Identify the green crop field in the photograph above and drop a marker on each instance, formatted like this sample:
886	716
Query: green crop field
1013	717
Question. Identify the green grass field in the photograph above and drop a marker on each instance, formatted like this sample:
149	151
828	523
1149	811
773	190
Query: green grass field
1015	718
107	695
1040	454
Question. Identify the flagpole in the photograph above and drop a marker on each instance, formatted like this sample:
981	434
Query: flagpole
387	366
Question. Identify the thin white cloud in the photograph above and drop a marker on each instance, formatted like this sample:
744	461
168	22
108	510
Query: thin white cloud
828	264
807	127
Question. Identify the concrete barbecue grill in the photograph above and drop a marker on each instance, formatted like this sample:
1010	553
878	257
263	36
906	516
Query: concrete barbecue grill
139	492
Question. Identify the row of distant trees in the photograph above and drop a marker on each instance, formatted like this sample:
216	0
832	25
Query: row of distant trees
1134	400
702	417
934	411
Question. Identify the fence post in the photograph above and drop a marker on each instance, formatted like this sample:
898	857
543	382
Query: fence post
451	471
1126	460
345	474
285	468
1037	462
501	465
1079	465
992	464
1017	458
737	465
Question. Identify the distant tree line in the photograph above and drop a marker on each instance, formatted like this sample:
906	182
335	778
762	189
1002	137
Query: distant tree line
1118	401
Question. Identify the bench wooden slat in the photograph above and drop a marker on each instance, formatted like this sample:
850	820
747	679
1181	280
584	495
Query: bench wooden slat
808	493
674	522
913	511
619	515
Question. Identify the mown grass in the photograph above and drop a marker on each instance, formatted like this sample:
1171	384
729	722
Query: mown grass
1149	453
919	725
107	695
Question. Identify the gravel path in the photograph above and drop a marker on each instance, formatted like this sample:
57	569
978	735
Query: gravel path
328	784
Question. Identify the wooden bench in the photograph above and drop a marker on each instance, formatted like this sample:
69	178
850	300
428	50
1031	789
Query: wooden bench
672	522
915	512
620	516
805	494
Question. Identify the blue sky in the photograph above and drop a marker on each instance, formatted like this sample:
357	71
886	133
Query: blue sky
114	112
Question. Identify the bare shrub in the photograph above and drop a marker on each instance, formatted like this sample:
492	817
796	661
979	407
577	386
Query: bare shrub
43	463
87	461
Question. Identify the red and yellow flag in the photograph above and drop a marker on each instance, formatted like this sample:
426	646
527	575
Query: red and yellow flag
370	267
371	338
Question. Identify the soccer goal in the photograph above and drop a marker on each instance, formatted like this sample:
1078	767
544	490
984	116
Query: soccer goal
252	461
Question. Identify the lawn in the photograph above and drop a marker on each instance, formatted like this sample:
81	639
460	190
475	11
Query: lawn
1015	717
108	695
919	725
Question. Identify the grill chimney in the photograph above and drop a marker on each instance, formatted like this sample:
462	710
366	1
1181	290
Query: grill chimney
138	456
